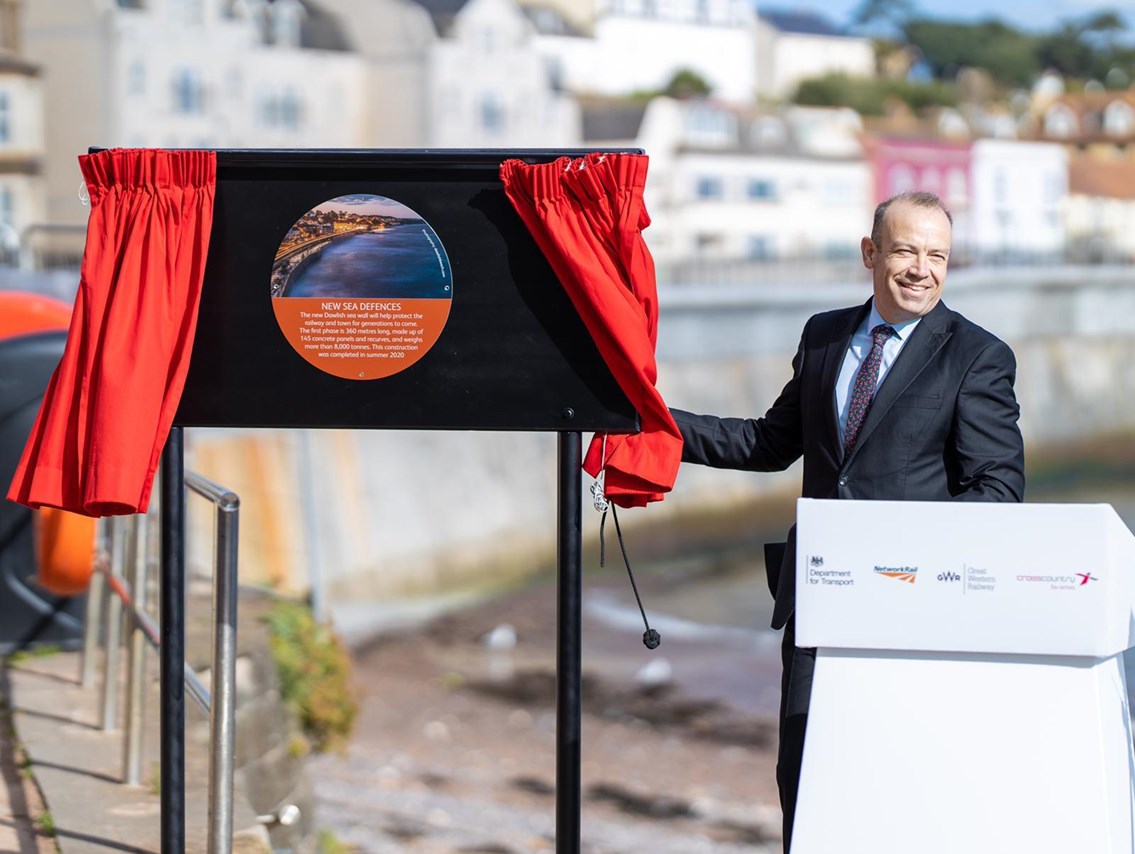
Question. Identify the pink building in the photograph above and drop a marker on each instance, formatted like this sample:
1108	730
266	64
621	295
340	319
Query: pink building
943	167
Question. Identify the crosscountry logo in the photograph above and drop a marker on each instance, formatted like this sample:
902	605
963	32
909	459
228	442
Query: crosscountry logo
1085	577
901	573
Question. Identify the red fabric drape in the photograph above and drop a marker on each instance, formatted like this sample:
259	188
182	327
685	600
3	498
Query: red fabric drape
111	401
587	217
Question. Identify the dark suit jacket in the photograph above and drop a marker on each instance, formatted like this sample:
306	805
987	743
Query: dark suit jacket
943	425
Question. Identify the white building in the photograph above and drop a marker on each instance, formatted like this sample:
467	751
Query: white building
1019	195
793	46
189	73
287	74
1100	209
22	187
735	185
639	45
488	85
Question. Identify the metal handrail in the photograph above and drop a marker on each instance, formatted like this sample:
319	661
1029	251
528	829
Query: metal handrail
110	596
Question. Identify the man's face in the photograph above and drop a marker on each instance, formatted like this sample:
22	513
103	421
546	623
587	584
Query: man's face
908	266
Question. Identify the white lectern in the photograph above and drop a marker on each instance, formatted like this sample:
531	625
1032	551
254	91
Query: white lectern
969	695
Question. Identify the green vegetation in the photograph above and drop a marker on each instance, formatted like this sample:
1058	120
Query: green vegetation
45	823
685	83
869	96
1094	46
42	651
329	843
315	675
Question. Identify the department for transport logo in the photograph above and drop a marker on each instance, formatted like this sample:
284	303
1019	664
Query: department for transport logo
817	574
909	574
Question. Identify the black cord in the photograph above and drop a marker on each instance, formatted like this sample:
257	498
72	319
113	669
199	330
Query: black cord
650	638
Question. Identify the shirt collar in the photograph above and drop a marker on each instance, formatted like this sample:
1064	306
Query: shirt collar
903	329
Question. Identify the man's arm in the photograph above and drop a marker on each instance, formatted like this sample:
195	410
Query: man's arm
987	445
771	443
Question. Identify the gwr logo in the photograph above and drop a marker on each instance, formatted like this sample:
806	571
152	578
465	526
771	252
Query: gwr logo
949	576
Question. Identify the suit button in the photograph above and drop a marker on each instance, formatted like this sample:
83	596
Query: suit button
843	480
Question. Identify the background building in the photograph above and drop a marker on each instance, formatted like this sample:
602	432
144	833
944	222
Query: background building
792	46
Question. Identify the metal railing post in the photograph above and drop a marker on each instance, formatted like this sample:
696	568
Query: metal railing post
122	579
136	561
222	718
93	613
113	628
92	628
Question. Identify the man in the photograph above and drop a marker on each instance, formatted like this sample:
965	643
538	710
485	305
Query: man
897	399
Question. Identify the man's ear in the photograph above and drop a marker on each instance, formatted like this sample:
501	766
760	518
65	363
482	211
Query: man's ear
870	251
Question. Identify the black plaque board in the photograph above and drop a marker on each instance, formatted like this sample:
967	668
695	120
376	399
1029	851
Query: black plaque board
513	354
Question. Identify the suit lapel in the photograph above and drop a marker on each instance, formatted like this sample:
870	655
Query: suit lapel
927	339
834	353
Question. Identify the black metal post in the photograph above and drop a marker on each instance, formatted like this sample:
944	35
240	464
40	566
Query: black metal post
569	658
173	644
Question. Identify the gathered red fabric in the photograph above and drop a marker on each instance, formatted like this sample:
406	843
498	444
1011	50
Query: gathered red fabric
587	217
110	404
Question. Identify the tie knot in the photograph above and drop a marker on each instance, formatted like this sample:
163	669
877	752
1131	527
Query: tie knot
882	332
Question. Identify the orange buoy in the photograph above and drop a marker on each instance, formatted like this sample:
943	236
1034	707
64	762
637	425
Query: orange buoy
64	550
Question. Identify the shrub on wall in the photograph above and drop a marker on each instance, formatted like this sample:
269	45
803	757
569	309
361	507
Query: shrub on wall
315	675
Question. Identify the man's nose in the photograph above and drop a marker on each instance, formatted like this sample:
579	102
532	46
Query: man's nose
921	265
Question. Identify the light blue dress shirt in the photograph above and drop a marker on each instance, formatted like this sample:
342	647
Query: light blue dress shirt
857	351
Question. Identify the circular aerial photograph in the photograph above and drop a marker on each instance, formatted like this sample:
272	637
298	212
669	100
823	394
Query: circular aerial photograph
361	286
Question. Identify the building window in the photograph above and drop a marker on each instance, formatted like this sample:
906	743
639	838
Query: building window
5	118
1001	186
280	109
759	248
932	180
1060	121
492	113
957	194
1118	119
761	190
188	91
902	179
136	78
710	187
287	22
188	11
291	110
710	125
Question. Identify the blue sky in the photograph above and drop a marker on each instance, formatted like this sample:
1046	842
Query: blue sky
1033	15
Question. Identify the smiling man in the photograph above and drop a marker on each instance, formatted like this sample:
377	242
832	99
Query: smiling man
896	399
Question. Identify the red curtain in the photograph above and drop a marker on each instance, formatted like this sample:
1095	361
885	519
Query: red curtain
587	216
108	409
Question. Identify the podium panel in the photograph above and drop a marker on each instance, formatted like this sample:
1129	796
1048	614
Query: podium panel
970	754
964	577
969	692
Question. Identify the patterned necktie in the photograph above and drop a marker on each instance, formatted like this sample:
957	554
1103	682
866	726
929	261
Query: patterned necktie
865	382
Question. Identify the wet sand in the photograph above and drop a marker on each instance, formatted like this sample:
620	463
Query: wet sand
455	748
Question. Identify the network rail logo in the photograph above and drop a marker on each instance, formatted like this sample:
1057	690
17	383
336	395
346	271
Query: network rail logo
909	574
